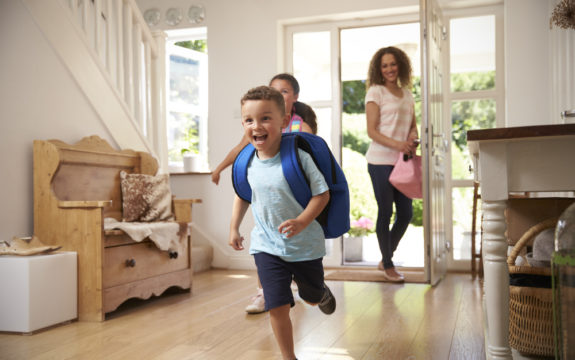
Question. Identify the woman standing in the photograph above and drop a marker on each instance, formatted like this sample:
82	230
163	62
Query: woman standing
391	125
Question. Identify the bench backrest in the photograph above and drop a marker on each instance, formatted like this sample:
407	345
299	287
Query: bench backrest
86	171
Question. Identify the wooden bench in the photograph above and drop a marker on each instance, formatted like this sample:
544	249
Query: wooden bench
75	188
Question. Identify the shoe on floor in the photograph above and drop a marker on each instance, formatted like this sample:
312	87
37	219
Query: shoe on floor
258	304
392	276
327	303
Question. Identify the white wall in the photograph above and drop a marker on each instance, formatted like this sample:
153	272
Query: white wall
38	100
528	87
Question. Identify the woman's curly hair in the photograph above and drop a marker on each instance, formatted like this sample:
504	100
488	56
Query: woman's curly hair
374	76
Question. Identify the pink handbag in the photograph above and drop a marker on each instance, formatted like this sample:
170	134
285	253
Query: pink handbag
406	176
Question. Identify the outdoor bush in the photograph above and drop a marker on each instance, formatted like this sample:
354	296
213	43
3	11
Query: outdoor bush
355	133
362	200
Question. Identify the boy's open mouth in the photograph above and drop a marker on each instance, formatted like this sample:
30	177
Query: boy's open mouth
260	138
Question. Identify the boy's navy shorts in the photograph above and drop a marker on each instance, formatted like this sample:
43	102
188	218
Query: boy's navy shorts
276	276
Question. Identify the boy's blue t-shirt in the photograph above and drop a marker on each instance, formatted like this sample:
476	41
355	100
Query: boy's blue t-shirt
273	203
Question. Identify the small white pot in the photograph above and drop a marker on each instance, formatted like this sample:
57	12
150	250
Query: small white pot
353	249
192	163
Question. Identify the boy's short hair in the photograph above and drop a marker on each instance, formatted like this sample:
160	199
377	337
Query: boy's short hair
265	93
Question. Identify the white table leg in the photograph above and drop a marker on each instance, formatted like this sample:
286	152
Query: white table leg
496	282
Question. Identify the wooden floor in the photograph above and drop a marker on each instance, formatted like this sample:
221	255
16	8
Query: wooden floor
372	321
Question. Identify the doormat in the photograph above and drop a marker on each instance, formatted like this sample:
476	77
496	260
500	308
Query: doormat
372	275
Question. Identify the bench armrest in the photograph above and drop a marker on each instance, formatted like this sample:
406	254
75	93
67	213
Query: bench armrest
84	204
183	209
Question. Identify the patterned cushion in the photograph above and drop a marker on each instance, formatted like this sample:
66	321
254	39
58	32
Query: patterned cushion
146	198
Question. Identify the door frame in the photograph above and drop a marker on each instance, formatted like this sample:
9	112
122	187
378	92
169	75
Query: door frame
285	48
285	63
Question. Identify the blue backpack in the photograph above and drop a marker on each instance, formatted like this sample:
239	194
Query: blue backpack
334	219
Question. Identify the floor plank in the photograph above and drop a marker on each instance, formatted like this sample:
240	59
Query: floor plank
373	320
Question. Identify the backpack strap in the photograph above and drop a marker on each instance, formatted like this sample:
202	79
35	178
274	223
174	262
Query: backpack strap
292	169
240	173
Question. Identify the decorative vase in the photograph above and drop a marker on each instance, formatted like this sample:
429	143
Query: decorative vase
353	248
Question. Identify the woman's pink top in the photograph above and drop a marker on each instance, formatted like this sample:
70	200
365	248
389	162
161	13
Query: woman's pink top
395	116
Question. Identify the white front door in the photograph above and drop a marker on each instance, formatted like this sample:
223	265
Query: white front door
434	141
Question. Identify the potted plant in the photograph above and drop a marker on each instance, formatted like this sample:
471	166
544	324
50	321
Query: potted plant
359	229
190	151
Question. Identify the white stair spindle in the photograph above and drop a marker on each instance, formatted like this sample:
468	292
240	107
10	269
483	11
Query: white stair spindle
85	9
120	48
139	95
158	95
128	58
97	16
148	67
110	38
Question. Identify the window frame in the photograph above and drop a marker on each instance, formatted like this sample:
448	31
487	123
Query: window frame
497	94
174	36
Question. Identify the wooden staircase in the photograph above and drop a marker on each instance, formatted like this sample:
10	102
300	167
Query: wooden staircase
117	62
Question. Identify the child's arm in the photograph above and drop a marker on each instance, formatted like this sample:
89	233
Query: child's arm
238	212
315	206
229	159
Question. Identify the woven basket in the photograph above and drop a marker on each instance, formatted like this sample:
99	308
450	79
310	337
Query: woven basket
530	308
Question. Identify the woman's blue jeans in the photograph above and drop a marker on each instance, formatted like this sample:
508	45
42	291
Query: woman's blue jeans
386	195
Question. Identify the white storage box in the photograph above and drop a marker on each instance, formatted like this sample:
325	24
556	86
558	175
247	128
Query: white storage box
37	291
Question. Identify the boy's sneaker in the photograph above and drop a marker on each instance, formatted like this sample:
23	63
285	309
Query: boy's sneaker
327	303
258	305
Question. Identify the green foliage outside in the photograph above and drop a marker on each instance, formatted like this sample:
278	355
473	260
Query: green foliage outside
353	94
472	81
198	45
469	115
184	141
190	142
360	189
355	133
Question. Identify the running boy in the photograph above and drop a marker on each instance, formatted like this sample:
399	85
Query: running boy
287	242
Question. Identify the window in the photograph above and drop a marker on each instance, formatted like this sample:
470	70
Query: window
187	100
472	76
312	69
476	100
